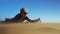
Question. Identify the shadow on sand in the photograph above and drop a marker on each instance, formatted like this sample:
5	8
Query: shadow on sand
3	30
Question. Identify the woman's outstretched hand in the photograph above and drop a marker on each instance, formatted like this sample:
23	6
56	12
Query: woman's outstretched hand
37	20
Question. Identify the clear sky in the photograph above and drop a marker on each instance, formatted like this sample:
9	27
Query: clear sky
46	10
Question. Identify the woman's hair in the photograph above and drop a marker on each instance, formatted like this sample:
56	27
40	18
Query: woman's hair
23	10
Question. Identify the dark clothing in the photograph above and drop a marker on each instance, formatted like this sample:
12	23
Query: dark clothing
19	18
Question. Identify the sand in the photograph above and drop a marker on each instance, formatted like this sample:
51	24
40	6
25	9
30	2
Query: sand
30	28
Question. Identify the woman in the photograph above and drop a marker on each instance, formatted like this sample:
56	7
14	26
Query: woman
21	17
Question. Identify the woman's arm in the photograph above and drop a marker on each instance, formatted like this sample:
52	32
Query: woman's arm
36	20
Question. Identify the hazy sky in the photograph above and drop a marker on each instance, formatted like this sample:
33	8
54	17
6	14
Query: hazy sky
46	10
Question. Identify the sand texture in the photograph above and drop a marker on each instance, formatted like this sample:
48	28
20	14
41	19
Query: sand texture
30	28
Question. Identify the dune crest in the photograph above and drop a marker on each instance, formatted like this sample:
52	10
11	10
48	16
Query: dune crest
31	28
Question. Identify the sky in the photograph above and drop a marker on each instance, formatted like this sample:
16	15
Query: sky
46	10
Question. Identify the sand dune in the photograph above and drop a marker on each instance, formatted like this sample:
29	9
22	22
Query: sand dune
30	28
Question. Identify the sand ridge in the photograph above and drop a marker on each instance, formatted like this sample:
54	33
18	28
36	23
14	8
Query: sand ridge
31	28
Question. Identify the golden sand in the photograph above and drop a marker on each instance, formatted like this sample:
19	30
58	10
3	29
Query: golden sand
30	28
